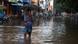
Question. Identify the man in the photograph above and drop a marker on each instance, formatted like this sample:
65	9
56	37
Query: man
28	27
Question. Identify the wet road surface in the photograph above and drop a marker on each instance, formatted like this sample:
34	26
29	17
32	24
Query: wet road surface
49	32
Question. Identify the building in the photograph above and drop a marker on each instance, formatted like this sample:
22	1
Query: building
13	6
35	2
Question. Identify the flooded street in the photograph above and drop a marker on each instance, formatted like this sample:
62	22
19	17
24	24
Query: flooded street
38	22
49	32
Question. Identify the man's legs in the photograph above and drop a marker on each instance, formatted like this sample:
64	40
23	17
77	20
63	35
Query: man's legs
27	37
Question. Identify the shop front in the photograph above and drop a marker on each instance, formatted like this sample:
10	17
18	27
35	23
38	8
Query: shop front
1	11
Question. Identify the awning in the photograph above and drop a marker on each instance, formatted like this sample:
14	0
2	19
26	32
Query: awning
30	7
27	7
15	1
17	4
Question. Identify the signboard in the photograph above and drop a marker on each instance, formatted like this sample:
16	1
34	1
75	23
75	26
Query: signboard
13	0
35	2
25	1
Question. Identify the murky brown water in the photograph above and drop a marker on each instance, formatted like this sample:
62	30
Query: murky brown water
49	32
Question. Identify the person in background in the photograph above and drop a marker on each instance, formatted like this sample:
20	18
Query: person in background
22	17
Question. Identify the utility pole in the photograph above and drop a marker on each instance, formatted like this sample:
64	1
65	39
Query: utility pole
54	9
38	5
46	6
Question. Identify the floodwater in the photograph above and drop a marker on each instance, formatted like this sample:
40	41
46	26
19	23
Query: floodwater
55	31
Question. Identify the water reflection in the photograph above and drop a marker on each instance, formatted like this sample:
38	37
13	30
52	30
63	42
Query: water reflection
71	30
27	40
54	32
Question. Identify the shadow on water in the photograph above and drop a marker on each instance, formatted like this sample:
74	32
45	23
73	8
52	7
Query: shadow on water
70	27
71	30
28	41
8	35
12	35
27	38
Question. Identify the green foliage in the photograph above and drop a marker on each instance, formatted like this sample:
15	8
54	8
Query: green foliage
67	5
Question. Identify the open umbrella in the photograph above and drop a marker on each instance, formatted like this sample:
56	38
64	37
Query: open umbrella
36	7
27	7
31	7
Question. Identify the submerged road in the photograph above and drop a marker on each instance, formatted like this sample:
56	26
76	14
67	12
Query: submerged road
48	32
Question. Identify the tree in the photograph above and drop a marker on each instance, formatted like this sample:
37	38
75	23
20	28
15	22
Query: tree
67	5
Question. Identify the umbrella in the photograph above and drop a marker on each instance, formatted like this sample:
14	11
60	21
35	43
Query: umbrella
31	7
37	8
27	7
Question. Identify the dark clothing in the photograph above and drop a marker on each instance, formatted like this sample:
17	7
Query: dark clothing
28	24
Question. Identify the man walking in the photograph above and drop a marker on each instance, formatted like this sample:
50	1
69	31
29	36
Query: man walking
28	27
